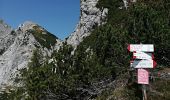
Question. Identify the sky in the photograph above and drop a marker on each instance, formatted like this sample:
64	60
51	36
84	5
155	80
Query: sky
57	16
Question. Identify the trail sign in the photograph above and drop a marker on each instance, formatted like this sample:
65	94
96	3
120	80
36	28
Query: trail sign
143	76
143	63
142	55
141	47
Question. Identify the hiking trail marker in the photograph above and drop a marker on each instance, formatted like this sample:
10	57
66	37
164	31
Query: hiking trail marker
142	55
144	63
143	76
141	47
142	58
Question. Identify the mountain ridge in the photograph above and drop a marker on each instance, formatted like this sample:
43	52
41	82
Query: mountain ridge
18	45
99	67
90	17
30	36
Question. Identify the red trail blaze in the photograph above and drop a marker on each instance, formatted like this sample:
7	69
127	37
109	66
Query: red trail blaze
154	64
128	47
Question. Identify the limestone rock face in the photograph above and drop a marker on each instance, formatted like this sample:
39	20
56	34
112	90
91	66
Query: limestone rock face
16	49
90	17
6	37
17	46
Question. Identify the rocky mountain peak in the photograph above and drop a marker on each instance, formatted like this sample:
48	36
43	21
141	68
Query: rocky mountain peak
17	46
90	17
4	28
27	25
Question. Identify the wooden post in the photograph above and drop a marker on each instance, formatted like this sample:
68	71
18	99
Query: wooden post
144	92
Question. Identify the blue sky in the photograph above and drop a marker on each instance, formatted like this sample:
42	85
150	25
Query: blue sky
57	16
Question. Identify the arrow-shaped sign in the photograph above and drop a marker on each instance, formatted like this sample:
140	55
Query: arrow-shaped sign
141	47
143	63
142	55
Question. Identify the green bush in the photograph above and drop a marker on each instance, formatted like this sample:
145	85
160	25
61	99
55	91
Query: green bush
46	40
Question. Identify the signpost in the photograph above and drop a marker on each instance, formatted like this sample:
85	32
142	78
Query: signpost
143	58
145	63
143	76
141	47
142	55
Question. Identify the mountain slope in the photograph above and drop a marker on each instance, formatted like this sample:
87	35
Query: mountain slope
18	45
90	17
99	68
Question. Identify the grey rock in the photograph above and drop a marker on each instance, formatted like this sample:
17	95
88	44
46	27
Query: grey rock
16	50
90	16
17	46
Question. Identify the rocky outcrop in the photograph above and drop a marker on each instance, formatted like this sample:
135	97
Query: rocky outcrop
90	17
6	37
17	46
16	49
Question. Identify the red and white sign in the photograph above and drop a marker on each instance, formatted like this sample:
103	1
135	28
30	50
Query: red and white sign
143	76
142	55
141	47
143	63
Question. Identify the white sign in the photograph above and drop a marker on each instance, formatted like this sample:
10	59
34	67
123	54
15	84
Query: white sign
141	47
143	76
142	55
143	63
